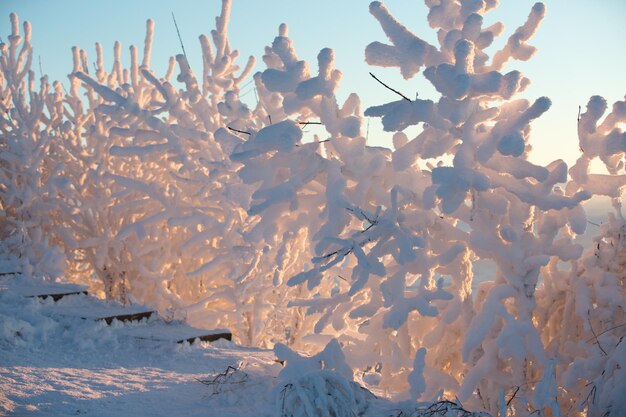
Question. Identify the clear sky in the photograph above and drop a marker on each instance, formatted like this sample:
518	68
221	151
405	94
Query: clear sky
581	46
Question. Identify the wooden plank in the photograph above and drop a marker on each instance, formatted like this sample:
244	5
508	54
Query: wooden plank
43	289
209	337
58	296
177	332
101	311
128	317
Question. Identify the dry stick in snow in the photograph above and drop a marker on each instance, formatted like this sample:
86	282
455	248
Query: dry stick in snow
395	91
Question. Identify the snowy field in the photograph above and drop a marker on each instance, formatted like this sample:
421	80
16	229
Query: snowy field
53	364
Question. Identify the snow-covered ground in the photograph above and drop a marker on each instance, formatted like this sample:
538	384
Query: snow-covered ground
53	364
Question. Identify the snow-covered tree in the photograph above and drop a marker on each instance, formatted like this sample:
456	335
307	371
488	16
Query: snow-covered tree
30	177
150	203
167	222
581	305
409	224
177	194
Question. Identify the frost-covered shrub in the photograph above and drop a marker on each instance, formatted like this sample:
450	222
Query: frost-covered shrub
393	226
581	309
318	386
30	176
176	193
170	228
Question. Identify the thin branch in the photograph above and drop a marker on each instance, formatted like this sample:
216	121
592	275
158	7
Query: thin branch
305	124
508	403
179	38
231	376
40	70
592	395
606	331
395	91
578	118
595	335
239	131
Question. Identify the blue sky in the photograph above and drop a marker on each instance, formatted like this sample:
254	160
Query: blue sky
580	43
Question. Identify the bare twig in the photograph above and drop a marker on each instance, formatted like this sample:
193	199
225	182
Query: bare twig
239	131
512	396
232	375
284	394
395	91
595	336
179	38
578	118
606	331
305	124
592	395
443	408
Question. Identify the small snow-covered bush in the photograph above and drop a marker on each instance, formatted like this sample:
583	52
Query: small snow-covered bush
318	394
318	386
